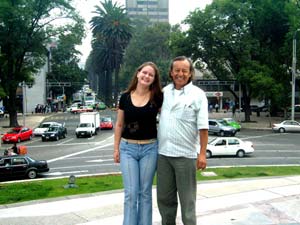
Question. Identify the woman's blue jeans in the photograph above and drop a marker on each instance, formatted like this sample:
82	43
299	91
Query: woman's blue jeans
138	165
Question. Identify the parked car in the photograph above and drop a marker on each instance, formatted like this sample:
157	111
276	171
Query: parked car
231	122
220	128
229	146
286	126
106	123
21	166
43	127
17	134
54	133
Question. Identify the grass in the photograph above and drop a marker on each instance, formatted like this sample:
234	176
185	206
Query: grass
43	189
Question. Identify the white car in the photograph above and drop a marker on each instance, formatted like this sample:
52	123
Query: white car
44	127
229	146
85	129
286	126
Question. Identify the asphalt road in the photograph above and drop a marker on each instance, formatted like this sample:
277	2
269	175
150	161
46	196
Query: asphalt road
83	156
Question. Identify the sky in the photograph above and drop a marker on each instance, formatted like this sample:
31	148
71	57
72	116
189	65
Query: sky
178	10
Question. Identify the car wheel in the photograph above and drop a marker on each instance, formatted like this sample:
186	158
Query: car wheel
281	130
77	135
31	174
30	137
208	154
96	132
43	139
233	134
91	134
222	133
240	153
57	138
19	140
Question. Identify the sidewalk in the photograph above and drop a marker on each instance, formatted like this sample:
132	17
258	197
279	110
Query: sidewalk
266	201
31	121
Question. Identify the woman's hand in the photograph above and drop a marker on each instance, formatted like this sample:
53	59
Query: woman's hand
117	156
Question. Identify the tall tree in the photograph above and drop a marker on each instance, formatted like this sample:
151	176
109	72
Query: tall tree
25	29
65	60
112	32
149	43
246	41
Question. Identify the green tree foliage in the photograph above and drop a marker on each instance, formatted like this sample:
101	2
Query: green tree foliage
25	28
149	43
64	62
112	32
249	41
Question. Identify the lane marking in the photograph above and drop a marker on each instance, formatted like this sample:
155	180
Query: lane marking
66	141
84	166
72	144
69	172
262	136
80	152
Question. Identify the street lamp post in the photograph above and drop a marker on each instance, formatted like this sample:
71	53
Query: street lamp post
24	101
294	74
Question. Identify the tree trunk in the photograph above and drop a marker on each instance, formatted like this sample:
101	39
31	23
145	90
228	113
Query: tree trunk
108	88
12	108
246	106
116	93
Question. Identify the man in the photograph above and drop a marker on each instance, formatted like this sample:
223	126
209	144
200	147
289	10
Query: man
183	137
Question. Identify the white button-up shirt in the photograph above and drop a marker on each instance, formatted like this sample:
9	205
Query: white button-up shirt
184	112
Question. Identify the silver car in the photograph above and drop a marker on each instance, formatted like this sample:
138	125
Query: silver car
220	128
286	126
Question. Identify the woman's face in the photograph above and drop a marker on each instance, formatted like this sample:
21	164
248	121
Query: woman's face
180	73
146	76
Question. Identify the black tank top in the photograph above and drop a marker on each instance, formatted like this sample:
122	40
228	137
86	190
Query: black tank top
139	122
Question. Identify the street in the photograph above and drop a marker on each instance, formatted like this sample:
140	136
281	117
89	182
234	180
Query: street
84	156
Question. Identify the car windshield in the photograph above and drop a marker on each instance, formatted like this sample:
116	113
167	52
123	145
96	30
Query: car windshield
30	159
84	125
212	140
52	129
44	125
106	119
223	123
14	131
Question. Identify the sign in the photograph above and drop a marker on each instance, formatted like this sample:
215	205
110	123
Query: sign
214	94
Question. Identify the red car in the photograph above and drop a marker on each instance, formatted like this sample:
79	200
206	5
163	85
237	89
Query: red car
106	123
17	134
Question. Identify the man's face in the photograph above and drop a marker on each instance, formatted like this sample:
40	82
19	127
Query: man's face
181	73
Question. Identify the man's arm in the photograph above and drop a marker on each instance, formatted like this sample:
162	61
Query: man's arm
201	160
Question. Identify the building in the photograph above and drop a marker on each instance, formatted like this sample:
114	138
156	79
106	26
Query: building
154	10
36	94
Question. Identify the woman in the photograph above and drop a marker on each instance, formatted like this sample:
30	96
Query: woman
136	144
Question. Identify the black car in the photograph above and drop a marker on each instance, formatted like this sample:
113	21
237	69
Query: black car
54	133
21	166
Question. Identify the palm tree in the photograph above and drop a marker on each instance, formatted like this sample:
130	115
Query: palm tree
112	32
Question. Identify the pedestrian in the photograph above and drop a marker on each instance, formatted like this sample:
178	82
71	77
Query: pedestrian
217	107
183	137
233	110
14	148
210	108
135	142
